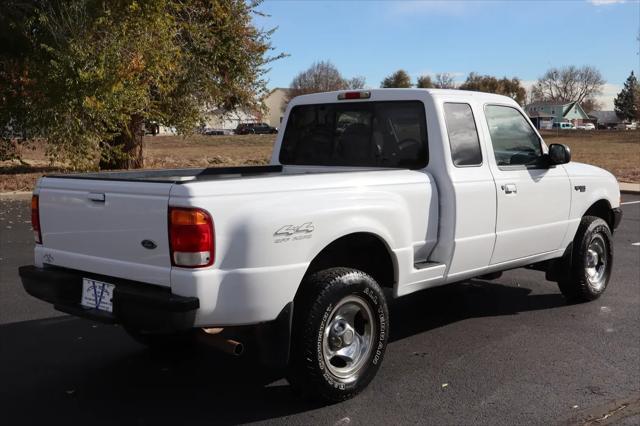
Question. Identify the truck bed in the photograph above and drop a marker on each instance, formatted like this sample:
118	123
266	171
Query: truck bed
176	176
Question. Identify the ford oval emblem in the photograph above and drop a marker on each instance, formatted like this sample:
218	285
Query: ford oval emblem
148	244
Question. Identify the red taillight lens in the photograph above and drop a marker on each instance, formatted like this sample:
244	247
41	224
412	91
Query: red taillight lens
354	95
191	237
35	219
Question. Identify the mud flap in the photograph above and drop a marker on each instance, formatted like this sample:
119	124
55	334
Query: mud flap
274	339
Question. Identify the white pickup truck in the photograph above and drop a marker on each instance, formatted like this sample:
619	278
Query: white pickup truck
370	195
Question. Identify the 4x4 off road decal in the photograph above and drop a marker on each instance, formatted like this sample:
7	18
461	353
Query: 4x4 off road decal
293	233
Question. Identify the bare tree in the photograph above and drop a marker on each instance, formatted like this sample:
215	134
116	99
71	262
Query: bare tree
424	82
444	80
590	104
357	82
569	84
322	76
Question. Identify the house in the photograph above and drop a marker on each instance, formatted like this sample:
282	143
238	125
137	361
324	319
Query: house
541	119
220	119
605	119
543	114
275	103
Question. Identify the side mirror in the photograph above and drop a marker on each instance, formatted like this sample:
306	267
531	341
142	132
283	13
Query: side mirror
559	153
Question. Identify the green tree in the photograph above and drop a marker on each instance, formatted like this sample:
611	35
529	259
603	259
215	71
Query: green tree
626	103
424	82
489	84
399	79
86	74
322	76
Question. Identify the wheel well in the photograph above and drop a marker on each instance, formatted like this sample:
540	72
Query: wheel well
601	209
363	251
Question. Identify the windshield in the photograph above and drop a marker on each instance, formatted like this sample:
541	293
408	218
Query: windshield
367	134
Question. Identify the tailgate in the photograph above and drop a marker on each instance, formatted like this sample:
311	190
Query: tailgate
106	227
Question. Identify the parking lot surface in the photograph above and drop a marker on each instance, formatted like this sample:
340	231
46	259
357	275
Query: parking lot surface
508	351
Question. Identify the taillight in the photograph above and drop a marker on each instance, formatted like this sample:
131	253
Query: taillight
191	237
35	219
354	95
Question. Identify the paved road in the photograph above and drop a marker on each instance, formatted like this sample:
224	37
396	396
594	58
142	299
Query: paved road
502	352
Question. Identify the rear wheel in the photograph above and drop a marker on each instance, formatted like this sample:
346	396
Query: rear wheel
592	260
340	334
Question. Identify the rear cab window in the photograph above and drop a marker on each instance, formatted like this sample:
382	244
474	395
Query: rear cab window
463	135
365	134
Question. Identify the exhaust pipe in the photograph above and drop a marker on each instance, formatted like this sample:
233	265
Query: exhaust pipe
215	340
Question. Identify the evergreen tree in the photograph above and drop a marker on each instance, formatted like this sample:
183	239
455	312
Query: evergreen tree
399	78
626	103
424	82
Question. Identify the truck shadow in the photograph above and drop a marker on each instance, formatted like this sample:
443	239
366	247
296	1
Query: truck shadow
70	371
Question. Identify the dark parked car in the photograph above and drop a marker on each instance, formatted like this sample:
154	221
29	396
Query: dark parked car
255	129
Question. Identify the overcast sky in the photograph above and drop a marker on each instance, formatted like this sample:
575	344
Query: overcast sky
501	38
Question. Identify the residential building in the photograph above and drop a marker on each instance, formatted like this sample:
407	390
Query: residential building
221	119
544	114
275	103
606	119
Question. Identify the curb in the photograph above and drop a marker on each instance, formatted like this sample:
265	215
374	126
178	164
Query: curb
629	188
15	195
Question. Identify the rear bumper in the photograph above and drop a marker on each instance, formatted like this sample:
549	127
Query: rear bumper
617	217
146	307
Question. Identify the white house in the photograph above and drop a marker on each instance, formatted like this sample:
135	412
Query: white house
275	103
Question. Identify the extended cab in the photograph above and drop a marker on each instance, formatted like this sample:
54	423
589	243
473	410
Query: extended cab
395	189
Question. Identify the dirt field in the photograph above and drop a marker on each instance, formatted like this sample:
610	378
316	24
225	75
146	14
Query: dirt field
616	151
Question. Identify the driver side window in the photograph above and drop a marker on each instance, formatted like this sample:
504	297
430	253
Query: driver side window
514	142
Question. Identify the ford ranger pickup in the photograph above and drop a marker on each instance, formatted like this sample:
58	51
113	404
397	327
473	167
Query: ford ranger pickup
369	195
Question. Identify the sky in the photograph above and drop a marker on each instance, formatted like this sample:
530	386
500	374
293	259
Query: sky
501	38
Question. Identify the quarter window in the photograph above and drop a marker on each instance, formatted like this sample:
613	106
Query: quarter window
463	135
514	141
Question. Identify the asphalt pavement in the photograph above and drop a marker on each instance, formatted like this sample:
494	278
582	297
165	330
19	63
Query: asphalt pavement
508	351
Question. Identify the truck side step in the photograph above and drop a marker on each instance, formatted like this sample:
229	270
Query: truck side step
425	265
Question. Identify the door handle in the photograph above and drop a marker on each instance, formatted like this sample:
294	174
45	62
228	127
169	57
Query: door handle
510	188
93	196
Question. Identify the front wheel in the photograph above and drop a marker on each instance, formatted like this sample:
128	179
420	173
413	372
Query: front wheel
592	261
340	334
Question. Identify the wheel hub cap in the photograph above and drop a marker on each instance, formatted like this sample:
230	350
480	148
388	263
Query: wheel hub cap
348	338
596	263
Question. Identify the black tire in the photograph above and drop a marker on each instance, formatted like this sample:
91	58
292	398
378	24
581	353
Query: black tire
163	342
325	298
577	285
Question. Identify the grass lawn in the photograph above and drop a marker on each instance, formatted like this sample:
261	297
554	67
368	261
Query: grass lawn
616	151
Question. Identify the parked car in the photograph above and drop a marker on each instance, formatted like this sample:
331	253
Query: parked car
627	126
563	126
586	126
213	132
293	257
255	128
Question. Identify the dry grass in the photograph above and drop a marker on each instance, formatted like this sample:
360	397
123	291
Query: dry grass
159	151
207	151
616	151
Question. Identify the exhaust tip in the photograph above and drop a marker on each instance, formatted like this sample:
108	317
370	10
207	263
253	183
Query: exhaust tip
213	338
238	349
